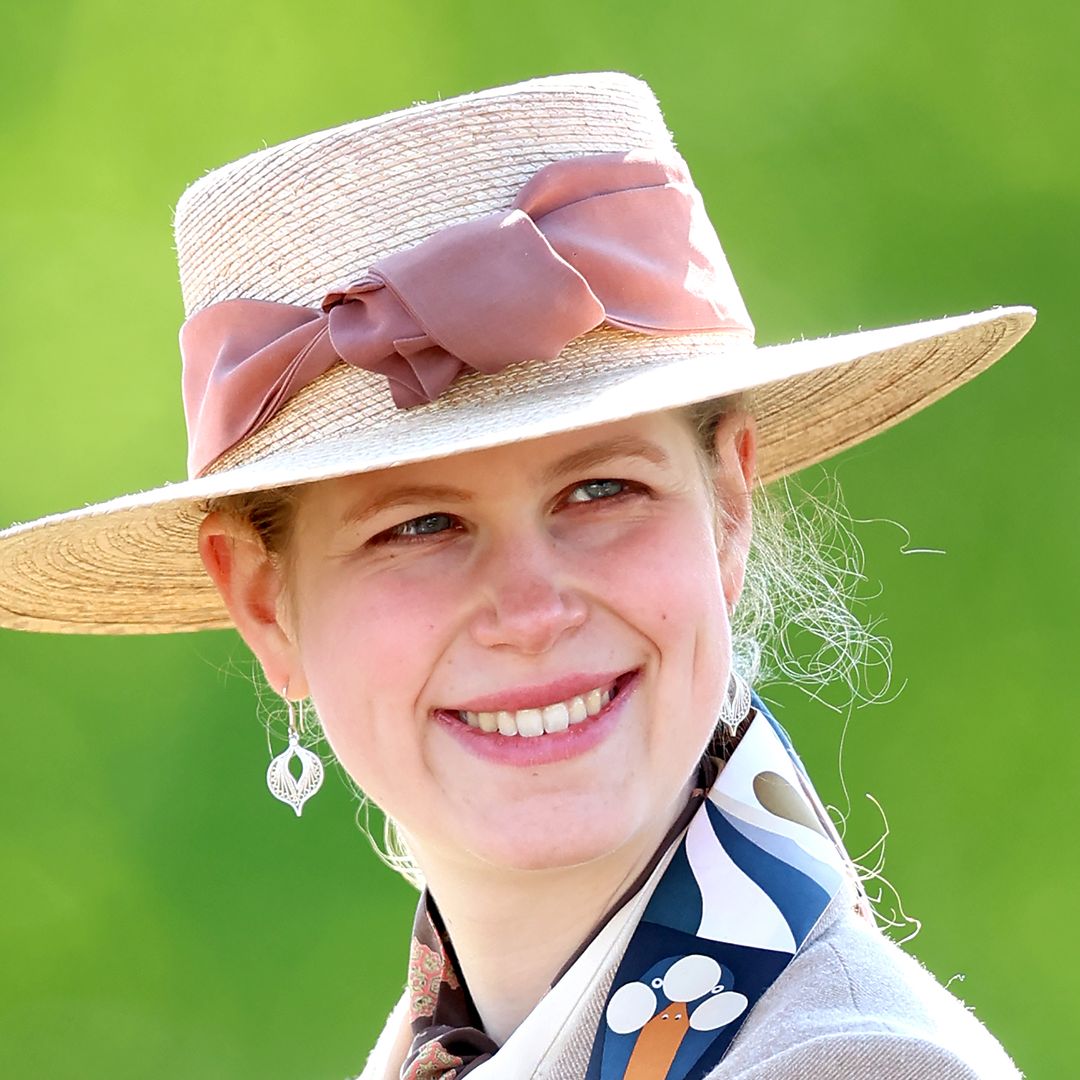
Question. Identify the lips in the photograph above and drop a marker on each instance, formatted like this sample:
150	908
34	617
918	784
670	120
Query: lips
541	711
544	747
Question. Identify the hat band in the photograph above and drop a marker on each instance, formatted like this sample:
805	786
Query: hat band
618	239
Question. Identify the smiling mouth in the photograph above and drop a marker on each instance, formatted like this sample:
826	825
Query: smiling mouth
548	719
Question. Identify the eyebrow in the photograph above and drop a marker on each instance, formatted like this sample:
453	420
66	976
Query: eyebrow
404	496
602	452
589	457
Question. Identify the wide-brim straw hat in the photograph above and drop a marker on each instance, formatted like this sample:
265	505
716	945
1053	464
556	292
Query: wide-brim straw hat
285	224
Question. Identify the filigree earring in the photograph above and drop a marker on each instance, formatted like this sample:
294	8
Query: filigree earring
736	704
279	778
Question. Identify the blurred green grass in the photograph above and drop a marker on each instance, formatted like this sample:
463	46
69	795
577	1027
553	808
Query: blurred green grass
864	165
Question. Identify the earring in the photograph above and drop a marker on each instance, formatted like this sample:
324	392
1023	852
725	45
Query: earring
280	780
736	704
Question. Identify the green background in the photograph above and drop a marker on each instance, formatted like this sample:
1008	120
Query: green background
865	164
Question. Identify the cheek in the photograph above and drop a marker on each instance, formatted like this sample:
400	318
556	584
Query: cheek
678	602
664	577
368	649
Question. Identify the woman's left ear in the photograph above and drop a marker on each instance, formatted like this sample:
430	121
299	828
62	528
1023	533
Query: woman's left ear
735	455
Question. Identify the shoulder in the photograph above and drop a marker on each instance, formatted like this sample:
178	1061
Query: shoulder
853	1003
865	1056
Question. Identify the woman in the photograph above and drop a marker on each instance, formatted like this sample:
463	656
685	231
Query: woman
475	418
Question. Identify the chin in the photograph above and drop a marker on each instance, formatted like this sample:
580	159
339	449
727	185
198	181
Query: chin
556	843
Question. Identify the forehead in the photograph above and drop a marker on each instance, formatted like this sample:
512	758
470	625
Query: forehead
661	440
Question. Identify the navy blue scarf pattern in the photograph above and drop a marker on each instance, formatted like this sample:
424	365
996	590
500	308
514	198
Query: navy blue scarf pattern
748	881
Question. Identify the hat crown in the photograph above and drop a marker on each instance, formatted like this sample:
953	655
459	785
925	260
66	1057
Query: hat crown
286	223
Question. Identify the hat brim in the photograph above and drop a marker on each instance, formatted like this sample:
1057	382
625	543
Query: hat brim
131	565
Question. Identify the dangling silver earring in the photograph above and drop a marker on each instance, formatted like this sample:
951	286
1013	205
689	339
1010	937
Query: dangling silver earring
281	782
736	704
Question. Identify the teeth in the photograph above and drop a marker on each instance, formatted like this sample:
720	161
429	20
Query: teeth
530	723
556	718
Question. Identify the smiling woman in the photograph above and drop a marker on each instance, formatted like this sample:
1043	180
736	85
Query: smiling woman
477	432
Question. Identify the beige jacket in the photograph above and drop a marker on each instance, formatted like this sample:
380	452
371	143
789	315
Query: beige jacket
850	1005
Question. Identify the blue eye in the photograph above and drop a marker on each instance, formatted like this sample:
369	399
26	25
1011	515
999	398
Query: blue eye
592	490
428	525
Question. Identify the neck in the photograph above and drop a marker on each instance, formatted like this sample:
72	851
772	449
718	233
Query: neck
514	930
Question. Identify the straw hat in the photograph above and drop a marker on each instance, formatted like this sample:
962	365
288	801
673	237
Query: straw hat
372	205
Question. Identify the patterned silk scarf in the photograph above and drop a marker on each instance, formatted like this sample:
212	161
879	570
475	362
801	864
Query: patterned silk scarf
751	866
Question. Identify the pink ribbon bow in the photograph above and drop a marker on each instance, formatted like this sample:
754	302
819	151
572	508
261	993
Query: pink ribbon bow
616	239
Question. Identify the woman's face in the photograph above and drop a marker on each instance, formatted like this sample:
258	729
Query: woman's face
520	588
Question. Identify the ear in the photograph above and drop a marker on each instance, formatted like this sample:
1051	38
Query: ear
735	447
252	585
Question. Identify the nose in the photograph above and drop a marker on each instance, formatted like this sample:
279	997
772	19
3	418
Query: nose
526	604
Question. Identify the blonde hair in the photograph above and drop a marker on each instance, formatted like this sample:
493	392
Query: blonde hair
797	620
